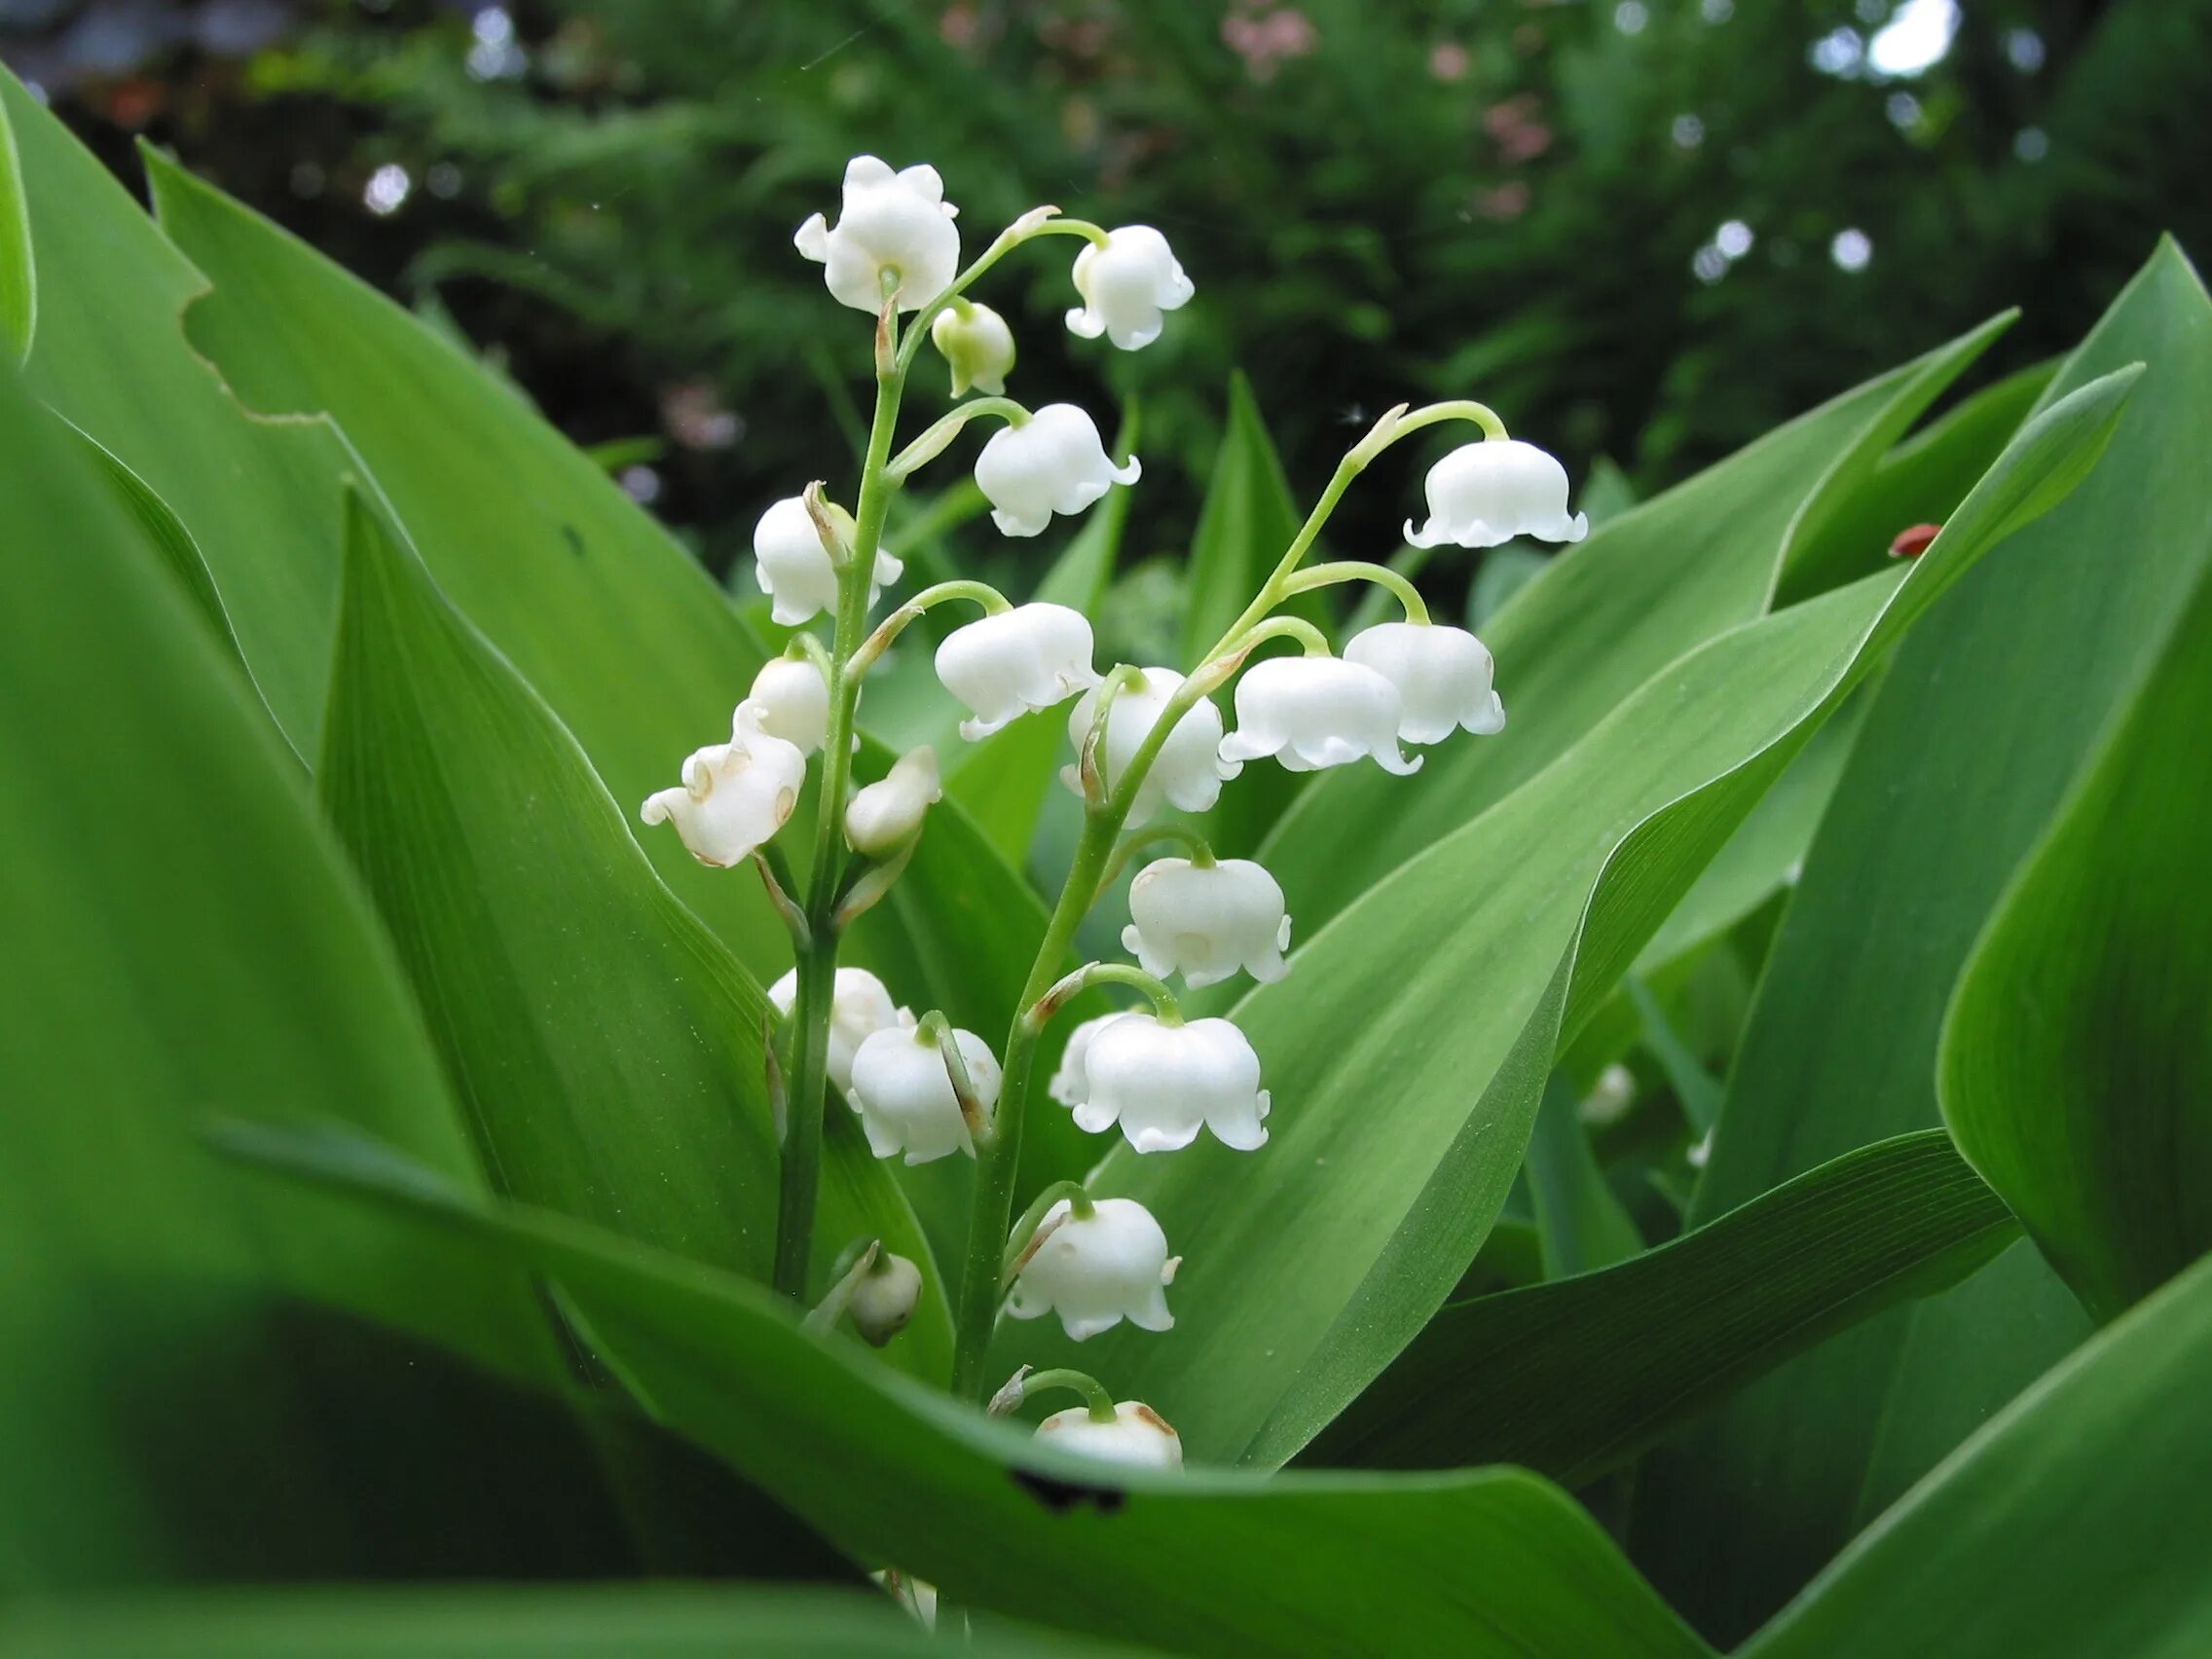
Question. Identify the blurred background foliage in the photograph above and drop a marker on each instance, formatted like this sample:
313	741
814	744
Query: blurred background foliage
1647	231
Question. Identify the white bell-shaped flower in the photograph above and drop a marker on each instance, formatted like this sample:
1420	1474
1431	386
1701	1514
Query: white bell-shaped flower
1054	462
1443	675
1485	493
1125	285
1188	770
905	1096
891	221
1164	1082
1206	921
795	702
885	815
735	794
859	1008
977	346
1005	666
1311	712
1138	1437
793	568
1098	1270
1071	1079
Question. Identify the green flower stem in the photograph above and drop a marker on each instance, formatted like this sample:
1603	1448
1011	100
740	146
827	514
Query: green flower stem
993	601
817	964
941	432
1066	989
1093	1392
1358	571
1174	833
1024	1234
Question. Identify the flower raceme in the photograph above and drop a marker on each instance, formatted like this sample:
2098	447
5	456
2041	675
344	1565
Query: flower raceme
1094	1271
895	228
1205	921
903	1093
793	568
1020	660
1164	1082
1126	281
1443	676
734	796
1187	772
1312	711
1052	462
1483	494
859	1008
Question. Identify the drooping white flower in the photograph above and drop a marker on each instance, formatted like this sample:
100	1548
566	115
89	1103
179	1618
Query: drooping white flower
1054	462
1164	1082
1137	1438
883	1303
1311	712
795	702
794	567
905	1096
1188	770
1206	921
1485	493
859	1008
977	345
1005	666
1443	675
891	221
1071	1082
735	794
1098	1270
884	815
1125	285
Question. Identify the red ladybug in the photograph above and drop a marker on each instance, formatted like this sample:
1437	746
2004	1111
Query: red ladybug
1912	543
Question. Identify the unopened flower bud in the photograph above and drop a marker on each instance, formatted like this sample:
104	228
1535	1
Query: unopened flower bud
1098	1270
1138	1437
977	345
1485	493
884	816
884	1300
1162	1084
859	1007
1206	921
793	568
1005	666
734	796
1187	771
904	1095
795	702
1126	283
1311	712
895	222
1054	462
1443	675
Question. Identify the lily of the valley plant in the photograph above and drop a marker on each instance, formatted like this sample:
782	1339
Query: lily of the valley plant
1143	738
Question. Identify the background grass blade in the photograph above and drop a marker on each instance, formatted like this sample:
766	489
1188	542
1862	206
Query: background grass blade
2076	1066
1572	1376
1963	757
2073	1523
1480	1563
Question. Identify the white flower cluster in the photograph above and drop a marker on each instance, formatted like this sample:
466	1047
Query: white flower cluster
1143	737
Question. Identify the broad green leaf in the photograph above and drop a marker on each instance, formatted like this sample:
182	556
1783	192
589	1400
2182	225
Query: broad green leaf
1603	617
1410	1042
110	356
662	1621
2073	1522
1581	1223
611	622
605	1043
1573	1377
2076	1066
192	1391
19	274
1963	755
1480	1561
